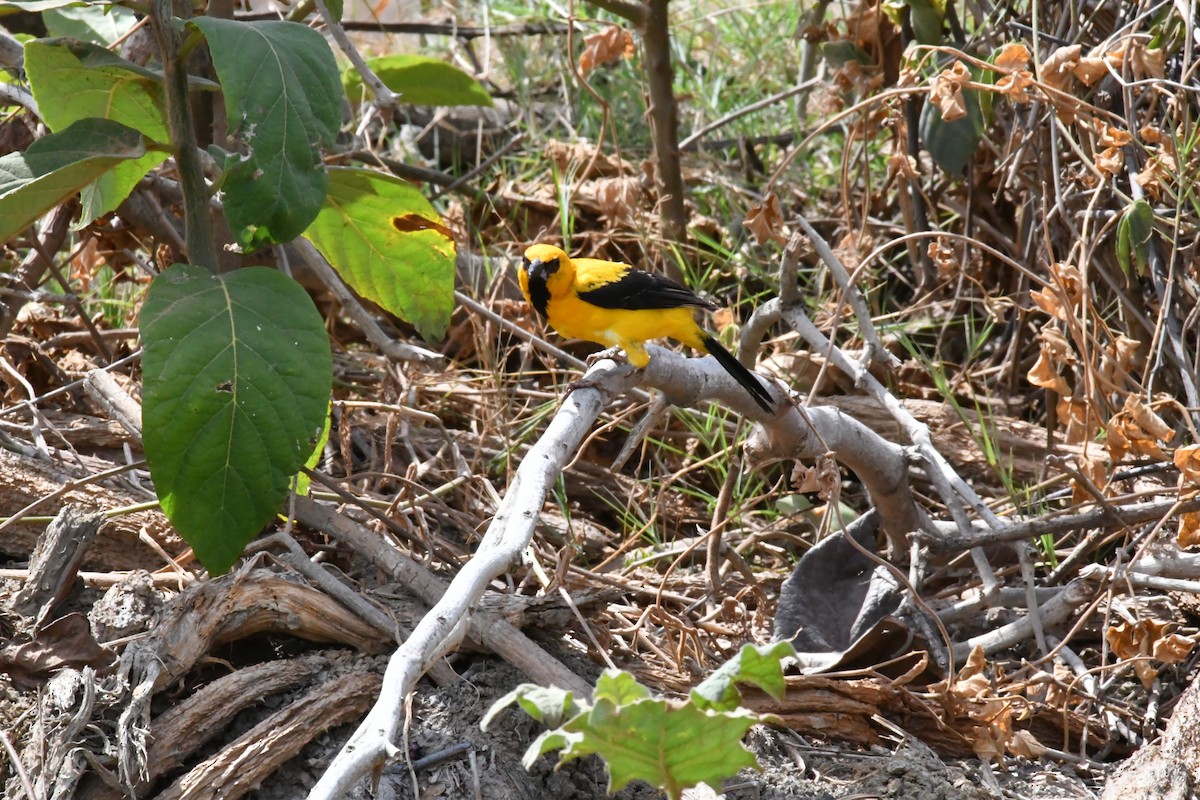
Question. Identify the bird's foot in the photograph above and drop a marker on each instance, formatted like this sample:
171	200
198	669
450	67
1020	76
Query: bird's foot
611	352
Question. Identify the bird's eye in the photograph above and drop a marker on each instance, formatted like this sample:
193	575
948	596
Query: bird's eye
525	262
551	266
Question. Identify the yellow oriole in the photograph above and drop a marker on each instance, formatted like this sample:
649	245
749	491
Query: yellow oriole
615	304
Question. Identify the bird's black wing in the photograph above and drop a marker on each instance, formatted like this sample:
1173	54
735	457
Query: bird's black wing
634	289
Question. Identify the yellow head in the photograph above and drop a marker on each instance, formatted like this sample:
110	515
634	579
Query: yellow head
546	272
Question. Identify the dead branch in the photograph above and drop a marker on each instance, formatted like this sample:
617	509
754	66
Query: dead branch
446	623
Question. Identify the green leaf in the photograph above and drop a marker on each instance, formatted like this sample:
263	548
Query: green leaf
57	166
283	103
1134	231
98	23
236	382
420	80
927	20
671	747
389	245
74	80
549	705
37	5
953	143
839	53
619	688
547	741
761	665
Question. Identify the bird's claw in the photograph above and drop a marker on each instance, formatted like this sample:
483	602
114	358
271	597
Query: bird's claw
610	352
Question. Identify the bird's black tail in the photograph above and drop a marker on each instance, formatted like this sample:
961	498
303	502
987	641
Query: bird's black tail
740	374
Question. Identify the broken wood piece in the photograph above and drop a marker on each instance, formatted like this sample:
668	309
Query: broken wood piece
187	726
261	751
42	486
54	565
224	609
242	604
103	388
843	709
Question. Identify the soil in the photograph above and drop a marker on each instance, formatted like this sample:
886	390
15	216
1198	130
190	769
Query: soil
450	757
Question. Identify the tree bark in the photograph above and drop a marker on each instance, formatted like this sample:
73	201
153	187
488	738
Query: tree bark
664	119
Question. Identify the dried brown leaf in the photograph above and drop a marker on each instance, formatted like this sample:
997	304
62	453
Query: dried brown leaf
65	642
1146	419
1094	470
1146	62
944	257
618	199
1078	419
1044	375
765	220
946	91
606	47
1138	430
1091	67
1012	56
1058	69
1114	137
1025	745
1017	86
1117	361
1189	530
1148	638
1187	460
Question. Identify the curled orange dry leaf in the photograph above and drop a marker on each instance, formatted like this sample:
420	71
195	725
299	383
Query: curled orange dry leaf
1016	86
1012	56
1044	375
1137	429
1093	470
1117	361
1187	460
1078	418
1189	530
1148	640
607	47
1114	137
946	91
1057	70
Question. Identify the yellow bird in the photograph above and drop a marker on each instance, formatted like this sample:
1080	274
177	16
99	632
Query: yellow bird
618	305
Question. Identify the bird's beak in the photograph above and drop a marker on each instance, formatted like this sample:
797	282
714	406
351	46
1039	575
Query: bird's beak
540	270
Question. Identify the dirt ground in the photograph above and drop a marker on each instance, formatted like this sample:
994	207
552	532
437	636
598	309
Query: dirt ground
450	757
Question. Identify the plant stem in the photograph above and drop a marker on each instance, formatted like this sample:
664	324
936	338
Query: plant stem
202	249
664	117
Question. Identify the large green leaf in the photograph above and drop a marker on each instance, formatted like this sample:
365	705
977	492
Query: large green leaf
98	23
283	102
236	382
74	80
57	166
673	747
420	80
668	744
40	5
390	246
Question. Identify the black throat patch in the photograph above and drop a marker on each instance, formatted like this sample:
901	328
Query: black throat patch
539	293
